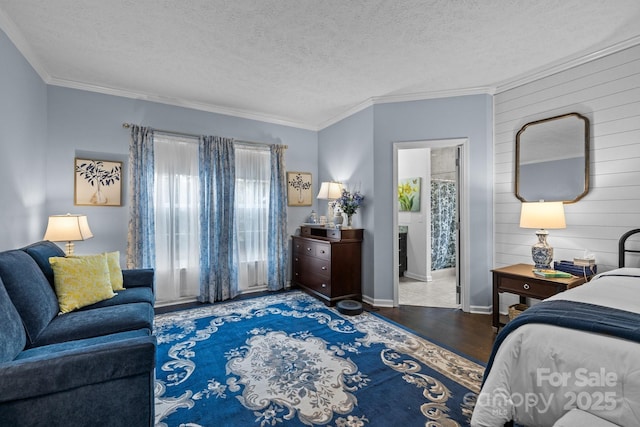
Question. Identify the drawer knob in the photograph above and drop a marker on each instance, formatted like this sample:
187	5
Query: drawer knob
322	251
309	249
526	286
297	260
324	285
324	267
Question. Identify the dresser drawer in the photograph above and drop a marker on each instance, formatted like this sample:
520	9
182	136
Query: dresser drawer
323	251
528	287
311	248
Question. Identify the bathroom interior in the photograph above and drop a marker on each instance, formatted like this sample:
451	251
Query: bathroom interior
427	221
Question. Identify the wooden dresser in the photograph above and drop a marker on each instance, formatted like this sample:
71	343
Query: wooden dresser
326	262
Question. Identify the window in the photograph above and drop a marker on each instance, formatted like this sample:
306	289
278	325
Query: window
177	217
252	208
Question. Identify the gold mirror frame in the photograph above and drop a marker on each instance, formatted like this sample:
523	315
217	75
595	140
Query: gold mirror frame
541	146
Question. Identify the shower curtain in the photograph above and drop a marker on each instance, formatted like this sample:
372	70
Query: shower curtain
443	224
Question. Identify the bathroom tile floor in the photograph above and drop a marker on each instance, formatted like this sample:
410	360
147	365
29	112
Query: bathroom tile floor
440	292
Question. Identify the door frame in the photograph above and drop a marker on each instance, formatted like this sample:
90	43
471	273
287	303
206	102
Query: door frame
464	203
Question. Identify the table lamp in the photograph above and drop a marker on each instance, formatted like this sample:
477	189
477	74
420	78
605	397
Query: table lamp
542	215
331	191
67	228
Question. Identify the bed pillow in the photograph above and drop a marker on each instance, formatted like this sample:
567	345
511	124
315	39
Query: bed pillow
81	281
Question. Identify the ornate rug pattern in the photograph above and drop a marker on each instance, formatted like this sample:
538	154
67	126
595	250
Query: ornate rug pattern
288	360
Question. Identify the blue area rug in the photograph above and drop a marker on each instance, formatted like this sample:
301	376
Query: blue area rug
287	360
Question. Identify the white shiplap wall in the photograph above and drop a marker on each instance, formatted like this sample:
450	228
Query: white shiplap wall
607	91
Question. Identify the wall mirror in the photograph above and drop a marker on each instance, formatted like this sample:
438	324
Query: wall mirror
552	159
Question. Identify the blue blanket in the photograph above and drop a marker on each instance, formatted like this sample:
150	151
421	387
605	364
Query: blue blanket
574	315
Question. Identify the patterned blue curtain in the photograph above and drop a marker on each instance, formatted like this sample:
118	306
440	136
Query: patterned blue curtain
218	260
443	224
277	261
141	233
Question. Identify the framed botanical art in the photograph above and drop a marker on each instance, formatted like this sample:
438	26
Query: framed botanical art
409	194
97	183
299	192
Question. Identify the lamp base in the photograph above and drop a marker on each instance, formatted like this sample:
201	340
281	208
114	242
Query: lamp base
69	248
541	252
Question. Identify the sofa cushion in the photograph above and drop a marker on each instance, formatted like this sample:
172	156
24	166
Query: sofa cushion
125	297
81	281
12	335
41	252
29	291
96	322
53	349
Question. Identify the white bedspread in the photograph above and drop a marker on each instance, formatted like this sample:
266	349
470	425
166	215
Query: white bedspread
540	372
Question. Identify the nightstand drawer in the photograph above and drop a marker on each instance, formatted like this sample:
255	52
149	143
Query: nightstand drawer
528	287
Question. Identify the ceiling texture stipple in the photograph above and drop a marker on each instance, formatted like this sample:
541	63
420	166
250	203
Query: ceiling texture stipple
307	63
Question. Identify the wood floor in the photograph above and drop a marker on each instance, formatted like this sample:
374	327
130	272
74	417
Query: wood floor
468	334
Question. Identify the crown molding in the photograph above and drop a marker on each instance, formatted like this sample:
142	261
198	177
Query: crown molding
419	96
11	30
178	102
565	64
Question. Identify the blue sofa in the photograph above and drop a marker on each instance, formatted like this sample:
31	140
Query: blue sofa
93	366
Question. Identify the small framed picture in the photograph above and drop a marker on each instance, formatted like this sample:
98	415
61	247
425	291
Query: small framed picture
97	183
409	194
299	191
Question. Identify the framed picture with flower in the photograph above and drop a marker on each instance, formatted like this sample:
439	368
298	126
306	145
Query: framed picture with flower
97	183
409	194
299	189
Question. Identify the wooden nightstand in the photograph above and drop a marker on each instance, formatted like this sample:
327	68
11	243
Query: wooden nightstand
519	279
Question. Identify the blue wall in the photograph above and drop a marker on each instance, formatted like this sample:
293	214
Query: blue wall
23	139
89	124
345	154
364	142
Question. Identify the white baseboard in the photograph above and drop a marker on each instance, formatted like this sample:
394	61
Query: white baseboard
419	277
481	309
377	302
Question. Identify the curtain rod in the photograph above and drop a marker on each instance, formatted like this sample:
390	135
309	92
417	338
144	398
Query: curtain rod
192	135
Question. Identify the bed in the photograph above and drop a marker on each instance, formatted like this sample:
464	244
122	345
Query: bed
577	349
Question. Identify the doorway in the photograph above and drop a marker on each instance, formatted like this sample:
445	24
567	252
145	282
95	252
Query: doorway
430	185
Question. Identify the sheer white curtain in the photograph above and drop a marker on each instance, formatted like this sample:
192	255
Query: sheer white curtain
177	217
253	169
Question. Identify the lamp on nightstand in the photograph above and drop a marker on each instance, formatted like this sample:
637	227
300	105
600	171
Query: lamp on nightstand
67	228
542	215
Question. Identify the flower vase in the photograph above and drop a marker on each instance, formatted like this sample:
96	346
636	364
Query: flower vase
349	220
98	197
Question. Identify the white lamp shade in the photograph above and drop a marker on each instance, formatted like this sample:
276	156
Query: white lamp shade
66	228
330	191
542	215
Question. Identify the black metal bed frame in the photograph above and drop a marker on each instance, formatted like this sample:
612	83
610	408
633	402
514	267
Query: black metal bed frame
622	250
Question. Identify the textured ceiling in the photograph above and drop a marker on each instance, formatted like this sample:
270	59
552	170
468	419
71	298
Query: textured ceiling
306	62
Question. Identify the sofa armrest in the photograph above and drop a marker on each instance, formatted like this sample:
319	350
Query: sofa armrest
138	277
65	370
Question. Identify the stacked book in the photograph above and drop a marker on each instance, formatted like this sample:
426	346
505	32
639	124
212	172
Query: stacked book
576	269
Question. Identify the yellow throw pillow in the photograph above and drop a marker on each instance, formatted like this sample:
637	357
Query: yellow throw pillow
81	281
115	272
